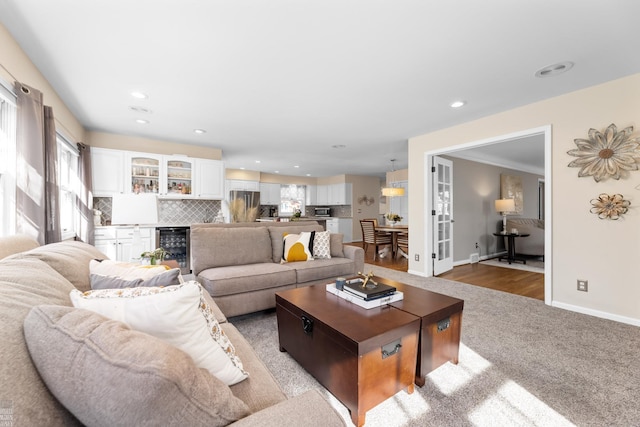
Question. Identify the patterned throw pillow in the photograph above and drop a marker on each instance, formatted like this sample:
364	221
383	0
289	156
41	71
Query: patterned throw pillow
181	315
298	247
322	245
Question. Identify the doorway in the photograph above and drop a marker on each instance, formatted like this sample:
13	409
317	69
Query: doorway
493	144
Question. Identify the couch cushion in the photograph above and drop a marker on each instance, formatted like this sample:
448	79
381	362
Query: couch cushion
245	278
278	232
107	374
178	314
261	389
323	269
25	283
69	258
10	245
336	245
221	247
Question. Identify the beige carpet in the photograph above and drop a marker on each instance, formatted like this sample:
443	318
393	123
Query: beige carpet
522	363
531	265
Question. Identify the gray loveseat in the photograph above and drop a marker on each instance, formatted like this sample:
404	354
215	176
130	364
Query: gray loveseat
240	264
34	302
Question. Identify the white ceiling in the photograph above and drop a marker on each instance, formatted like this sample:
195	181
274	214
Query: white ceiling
282	81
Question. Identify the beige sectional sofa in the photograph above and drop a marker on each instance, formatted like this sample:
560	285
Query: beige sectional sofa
240	264
36	314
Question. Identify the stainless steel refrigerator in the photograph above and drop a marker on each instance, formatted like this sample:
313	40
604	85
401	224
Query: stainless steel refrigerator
244	206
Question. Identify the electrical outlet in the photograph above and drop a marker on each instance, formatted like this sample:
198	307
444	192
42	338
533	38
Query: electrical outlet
583	285
417	257
477	245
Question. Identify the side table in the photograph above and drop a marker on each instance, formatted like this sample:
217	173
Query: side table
511	249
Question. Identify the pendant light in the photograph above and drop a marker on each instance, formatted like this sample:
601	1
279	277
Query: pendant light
393	191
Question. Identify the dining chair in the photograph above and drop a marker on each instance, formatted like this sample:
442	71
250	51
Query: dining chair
371	237
402	240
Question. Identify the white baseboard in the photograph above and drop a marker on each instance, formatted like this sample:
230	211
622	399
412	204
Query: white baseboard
596	313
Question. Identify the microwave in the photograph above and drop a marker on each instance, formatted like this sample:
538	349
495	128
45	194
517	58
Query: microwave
322	211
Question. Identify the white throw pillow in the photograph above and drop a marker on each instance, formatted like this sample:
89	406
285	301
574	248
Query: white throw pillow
322	245
180	314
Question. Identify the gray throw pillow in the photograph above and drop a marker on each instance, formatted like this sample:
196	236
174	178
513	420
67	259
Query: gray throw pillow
107	374
107	282
168	278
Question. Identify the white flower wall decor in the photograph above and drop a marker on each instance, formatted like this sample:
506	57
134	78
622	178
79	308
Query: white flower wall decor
611	154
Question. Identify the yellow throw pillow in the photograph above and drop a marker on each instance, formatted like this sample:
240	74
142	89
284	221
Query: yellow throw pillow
298	247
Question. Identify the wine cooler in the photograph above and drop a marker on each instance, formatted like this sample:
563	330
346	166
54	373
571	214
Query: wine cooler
175	240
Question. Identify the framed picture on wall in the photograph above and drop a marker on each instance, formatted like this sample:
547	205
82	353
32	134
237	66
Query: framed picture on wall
511	188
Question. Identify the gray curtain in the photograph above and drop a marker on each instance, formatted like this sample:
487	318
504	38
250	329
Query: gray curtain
30	170
84	201
53	232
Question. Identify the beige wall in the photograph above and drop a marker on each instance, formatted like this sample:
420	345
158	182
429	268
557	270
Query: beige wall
476	186
362	186
603	252
21	68
146	145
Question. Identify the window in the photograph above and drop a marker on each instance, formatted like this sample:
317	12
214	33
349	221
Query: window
7	161
69	185
292	198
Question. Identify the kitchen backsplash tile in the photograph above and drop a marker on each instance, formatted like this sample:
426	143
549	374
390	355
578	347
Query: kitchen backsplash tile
173	212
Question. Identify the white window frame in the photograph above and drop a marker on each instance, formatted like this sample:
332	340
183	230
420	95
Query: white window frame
288	204
8	143
68	183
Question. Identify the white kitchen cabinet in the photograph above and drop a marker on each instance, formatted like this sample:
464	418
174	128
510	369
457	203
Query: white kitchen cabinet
341	225
269	193
117	243
339	194
209	182
311	195
322	195
144	173
107	171
179	171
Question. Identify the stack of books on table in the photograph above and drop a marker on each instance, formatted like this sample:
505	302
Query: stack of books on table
366	297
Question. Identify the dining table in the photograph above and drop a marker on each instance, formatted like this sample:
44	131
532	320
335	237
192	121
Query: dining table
394	229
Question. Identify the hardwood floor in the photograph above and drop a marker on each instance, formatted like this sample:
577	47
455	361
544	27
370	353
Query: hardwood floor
517	282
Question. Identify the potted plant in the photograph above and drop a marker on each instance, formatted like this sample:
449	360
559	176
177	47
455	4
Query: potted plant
393	218
155	256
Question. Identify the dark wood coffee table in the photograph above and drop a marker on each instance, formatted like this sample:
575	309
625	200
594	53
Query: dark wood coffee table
361	356
440	325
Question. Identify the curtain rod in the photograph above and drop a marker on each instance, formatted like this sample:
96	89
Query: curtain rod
67	131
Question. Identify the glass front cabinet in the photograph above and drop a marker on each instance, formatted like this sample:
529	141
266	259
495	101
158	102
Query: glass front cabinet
169	176
179	173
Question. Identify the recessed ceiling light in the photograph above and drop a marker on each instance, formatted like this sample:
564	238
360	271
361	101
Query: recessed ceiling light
139	95
457	104
200	131
142	121
296	166
257	161
308	174
555	69
276	171
140	109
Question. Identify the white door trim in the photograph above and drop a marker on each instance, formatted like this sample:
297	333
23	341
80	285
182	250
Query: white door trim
428	223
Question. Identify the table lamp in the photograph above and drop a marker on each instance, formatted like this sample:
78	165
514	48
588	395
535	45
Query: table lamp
504	206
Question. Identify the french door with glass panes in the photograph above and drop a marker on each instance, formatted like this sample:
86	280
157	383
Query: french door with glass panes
442	215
